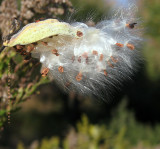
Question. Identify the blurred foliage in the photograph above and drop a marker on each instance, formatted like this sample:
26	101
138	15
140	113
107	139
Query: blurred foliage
89	10
151	12
122	132
23	82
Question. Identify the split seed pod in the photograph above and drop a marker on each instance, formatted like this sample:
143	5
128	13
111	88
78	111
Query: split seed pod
94	60
34	32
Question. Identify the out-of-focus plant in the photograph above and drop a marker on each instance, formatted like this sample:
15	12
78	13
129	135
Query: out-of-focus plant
90	9
23	81
151	13
23	75
122	132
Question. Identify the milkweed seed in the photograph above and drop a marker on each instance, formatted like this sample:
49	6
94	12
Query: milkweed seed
87	59
94	52
19	47
113	59
79	34
55	51
79	59
60	69
130	46
29	49
73	58
45	72
79	77
85	55
120	45
101	57
44	43
109	63
131	26
105	73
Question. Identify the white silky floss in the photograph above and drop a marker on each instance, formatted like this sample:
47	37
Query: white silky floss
104	57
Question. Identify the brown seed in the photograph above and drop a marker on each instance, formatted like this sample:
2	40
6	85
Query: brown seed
55	51
30	49
94	52
127	25
79	59
51	37
87	59
101	57
57	54
44	43
40	19
120	45
79	77
105	73
73	58
79	34
130	46
37	21
113	59
85	55
19	47
60	69
109	63
131	25
45	72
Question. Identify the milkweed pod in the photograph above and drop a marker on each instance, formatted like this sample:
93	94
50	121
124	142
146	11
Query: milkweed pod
34	32
87	60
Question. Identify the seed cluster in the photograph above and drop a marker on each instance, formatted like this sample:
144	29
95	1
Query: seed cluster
103	56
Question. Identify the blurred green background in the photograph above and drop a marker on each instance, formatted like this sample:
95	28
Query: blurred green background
44	117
